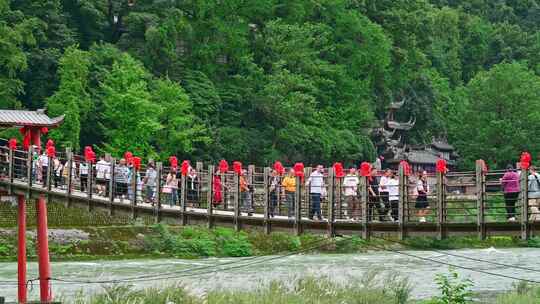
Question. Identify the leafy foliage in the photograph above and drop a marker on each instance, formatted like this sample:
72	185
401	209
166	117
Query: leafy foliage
453	290
272	79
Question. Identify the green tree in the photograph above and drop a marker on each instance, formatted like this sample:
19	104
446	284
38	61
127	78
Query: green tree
72	98
130	119
16	32
180	131
504	114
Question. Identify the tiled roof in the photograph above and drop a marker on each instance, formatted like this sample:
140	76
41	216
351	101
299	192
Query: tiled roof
442	146
28	118
425	157
422	157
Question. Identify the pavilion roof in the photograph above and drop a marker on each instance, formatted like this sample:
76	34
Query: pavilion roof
21	118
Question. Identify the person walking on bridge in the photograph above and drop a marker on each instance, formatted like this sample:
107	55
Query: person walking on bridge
510	185
245	193
350	185
103	174
43	162
289	184
275	191
317	190
393	195
422	190
121	173
534	194
150	180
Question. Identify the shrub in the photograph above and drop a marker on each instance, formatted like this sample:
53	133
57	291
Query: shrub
453	289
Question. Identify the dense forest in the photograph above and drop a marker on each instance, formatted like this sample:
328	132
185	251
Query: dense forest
262	80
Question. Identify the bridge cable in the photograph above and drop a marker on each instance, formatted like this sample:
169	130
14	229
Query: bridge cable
342	240
456	265
256	260
463	256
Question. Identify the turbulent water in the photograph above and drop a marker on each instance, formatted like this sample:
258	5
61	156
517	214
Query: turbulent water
252	272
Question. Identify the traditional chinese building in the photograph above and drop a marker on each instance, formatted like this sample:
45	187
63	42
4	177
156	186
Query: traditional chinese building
391	142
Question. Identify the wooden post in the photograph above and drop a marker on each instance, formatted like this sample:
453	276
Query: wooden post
89	180
331	202
480	200
210	197
402	203
307	174
250	179
29	168
298	207
525	225
112	181
340	200
364	196
267	224
237	224
11	171
183	198
199	168
441	229
224	191
69	163
133	186
159	170
49	175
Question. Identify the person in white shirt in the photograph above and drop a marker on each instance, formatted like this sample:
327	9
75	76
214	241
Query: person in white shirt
103	174
383	194
83	175
350	187
43	162
393	194
317	191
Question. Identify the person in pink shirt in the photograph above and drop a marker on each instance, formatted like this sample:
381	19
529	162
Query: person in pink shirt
510	185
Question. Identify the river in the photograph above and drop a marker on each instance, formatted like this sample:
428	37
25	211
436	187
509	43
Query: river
264	269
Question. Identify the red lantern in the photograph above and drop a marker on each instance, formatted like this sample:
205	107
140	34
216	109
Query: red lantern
22	131
173	161
44	130
26	143
50	143
237	167
89	154
51	151
13	144
365	169
185	167
279	168
299	169
338	170
128	156
223	166
441	166
525	160
406	167
92	157
137	163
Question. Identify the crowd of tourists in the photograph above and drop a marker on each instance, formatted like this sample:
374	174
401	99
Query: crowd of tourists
383	188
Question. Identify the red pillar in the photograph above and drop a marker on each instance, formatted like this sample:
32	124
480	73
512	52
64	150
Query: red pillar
35	134
21	253
43	252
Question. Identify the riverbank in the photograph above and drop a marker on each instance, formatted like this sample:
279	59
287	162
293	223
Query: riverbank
161	241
